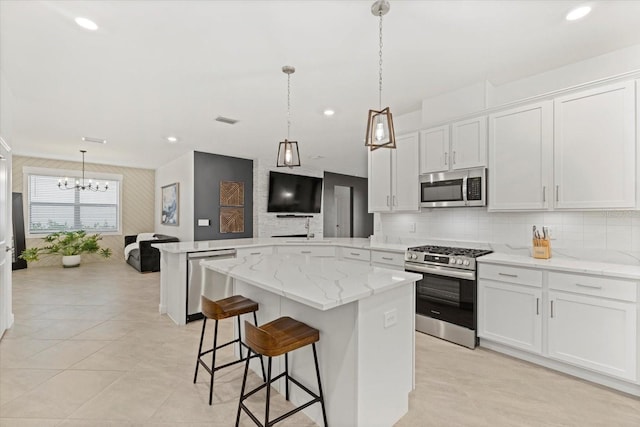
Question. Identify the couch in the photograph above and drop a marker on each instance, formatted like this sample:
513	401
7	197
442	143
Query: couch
139	253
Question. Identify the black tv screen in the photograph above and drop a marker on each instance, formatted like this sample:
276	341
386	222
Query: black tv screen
294	193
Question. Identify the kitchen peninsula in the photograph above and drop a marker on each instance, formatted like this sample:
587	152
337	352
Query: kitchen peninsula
366	322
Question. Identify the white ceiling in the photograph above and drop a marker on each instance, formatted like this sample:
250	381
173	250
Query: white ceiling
159	68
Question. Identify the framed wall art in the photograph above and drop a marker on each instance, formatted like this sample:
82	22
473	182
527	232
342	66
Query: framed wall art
170	204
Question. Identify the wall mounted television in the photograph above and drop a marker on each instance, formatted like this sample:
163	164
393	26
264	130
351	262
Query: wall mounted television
294	193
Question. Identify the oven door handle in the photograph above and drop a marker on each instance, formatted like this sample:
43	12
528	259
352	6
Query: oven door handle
440	271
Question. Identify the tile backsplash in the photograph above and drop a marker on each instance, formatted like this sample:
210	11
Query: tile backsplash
611	230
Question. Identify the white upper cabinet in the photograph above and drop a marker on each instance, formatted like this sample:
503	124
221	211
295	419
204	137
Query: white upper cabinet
594	148
461	145
469	143
379	180
434	149
394	176
521	157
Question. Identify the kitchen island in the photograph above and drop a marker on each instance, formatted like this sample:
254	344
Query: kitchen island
365	315
180	290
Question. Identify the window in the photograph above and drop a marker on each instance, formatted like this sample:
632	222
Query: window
51	209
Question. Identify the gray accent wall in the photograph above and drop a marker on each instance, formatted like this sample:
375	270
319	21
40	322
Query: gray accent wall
208	170
362	221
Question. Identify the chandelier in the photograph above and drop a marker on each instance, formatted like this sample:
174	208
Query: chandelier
80	185
288	154
380	131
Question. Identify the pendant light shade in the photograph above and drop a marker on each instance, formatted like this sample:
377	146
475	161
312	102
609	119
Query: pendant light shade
288	154
380	132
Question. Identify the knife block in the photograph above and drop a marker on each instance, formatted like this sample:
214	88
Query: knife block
541	248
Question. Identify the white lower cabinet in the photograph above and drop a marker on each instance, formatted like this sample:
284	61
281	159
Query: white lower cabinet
594	333
510	314
311	250
581	320
392	260
355	254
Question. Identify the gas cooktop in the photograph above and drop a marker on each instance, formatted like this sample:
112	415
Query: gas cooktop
444	255
446	250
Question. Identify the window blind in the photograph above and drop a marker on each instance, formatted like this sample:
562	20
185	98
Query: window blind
52	209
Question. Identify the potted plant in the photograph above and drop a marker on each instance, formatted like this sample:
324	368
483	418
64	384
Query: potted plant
69	244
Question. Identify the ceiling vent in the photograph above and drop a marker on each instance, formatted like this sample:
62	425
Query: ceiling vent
96	140
226	120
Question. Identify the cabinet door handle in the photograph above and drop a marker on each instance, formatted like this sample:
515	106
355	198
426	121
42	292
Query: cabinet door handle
446	158
507	274
354	253
544	194
454	157
537	306
394	200
254	253
588	286
305	252
557	193
387	258
387	200
434	312
552	309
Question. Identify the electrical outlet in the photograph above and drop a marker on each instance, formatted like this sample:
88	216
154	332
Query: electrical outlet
412	227
390	318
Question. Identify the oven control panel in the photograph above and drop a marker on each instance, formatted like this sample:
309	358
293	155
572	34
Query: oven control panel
452	261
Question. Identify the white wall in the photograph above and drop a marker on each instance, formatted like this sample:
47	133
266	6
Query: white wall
6	104
466	100
181	171
267	224
613	230
596	68
481	95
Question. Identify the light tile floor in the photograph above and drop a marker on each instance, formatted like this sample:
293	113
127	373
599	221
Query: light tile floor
89	348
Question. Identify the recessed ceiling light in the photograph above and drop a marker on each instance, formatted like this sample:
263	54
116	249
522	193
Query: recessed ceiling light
87	24
329	112
578	13
172	139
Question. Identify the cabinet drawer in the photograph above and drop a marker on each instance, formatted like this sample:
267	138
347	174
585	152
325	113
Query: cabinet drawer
391	258
264	250
328	251
357	254
625	290
503	273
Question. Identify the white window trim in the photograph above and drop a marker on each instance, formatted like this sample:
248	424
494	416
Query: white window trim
70	173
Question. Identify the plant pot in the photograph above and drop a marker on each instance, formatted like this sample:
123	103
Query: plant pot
69	261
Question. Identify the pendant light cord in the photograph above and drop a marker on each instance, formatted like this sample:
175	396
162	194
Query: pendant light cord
380	64
288	106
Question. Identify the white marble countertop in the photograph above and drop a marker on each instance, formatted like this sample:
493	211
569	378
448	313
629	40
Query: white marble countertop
321	283
209	245
570	265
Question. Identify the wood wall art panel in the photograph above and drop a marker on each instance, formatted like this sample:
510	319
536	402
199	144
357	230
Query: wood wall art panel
231	220
231	193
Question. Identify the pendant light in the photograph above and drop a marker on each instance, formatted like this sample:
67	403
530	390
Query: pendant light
288	154
81	185
380	131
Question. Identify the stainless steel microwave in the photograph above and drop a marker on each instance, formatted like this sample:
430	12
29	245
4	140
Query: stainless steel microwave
456	188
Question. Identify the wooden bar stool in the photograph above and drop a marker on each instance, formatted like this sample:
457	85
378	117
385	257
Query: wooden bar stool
275	338
233	306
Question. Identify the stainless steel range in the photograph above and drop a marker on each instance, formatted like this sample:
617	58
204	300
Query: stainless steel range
446	295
